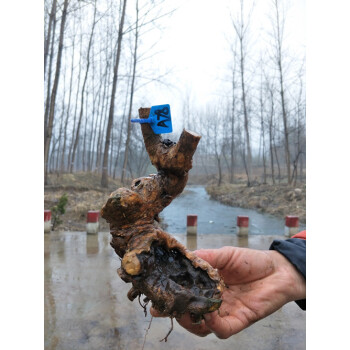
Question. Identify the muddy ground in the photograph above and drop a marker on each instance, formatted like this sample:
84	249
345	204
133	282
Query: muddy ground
85	193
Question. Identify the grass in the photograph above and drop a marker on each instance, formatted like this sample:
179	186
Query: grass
81	180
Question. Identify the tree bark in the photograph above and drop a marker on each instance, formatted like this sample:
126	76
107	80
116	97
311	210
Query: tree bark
145	248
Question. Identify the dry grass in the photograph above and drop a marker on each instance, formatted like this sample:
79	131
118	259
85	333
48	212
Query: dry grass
84	193
279	200
81	180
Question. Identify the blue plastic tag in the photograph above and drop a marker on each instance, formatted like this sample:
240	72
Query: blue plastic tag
159	119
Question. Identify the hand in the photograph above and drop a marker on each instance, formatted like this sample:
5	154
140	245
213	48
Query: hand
258	284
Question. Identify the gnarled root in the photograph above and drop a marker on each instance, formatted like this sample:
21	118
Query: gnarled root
157	265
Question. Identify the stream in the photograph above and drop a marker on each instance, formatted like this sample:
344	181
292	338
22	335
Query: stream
214	217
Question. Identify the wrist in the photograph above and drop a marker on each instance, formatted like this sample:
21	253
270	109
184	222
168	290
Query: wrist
292	282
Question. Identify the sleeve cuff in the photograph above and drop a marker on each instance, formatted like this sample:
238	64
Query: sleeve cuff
293	249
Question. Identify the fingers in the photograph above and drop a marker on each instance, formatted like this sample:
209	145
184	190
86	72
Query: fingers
199	329
222	327
186	322
218	258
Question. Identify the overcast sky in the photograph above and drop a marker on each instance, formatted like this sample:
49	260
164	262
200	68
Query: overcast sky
195	42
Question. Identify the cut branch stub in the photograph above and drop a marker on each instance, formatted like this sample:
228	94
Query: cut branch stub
157	265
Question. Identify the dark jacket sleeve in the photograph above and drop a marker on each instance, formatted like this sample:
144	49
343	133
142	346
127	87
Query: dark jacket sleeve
294	249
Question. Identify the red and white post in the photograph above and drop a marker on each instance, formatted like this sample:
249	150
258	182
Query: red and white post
291	227
47	221
92	225
192	224
243	226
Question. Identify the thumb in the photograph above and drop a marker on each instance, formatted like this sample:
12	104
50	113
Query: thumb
217	258
208	255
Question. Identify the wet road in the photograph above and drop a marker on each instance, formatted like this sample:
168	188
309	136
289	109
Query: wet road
86	306
214	217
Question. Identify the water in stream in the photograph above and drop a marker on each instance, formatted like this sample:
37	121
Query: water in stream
214	217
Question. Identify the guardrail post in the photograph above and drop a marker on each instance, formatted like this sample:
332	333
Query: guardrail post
291	225
243	226
47	221
92	225
192	224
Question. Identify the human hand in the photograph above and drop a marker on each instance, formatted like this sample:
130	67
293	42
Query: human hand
258	284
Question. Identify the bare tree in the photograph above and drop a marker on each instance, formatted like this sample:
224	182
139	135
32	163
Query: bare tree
299	131
127	141
76	106
262	121
271	128
68	107
233	116
51	26
54	89
120	138
104	179
278	33
83	88
49	42
241	25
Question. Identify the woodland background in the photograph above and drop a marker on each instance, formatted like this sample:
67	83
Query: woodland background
99	68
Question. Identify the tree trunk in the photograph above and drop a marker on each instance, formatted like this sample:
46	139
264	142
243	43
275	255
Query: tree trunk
131	95
70	165
104	178
262	123
120	138
246	124
52	22
83	90
60	133
54	89
277	161
279	38
241	31
218	159
102	119
233	111
271	138
62	167
285	129
49	74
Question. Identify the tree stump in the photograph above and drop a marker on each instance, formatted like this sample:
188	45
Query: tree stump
157	265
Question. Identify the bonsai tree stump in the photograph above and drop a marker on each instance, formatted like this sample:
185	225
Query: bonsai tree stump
157	265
